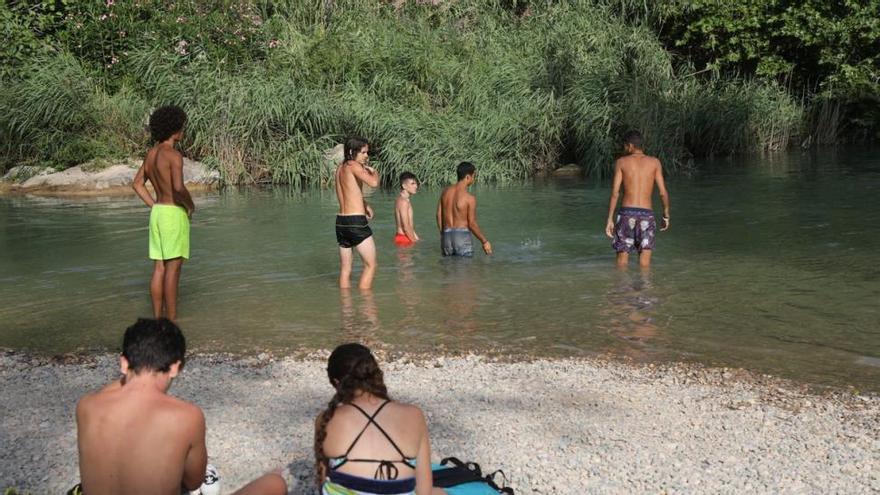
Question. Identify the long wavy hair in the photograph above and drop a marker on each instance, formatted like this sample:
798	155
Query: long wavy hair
352	369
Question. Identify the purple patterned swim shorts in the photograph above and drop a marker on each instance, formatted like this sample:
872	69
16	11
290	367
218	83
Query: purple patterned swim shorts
635	230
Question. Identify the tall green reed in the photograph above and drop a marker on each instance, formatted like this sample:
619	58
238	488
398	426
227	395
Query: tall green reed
515	87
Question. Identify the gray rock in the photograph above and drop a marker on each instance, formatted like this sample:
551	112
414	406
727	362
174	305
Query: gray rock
25	172
570	170
91	176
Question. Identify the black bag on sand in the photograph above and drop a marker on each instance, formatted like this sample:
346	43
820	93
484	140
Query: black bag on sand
466	478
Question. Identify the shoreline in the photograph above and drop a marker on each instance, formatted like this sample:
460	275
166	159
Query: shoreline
8	189
551	424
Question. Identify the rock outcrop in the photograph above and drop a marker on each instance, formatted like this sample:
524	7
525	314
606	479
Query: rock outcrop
82	178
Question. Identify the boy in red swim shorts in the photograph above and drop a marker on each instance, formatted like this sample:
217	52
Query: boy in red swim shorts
403	212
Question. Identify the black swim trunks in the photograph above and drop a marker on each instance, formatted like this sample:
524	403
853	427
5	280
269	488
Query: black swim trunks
351	230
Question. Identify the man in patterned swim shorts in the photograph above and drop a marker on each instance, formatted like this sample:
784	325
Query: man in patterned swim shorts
634	228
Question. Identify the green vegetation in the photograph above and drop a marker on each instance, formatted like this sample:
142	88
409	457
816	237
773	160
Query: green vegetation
516	87
828	50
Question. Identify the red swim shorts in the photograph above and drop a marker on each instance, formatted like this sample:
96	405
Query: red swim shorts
402	240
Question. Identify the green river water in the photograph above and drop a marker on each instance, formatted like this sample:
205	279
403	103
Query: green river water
770	265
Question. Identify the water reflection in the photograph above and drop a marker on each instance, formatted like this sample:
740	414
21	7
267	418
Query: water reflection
630	310
407	288
359	317
459	299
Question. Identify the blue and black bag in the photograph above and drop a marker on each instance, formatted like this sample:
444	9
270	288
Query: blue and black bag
466	478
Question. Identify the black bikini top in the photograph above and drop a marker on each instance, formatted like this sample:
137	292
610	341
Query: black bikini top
386	469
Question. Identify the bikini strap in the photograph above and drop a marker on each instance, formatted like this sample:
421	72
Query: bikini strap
372	420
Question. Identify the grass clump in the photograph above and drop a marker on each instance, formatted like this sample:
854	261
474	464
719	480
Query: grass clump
516	87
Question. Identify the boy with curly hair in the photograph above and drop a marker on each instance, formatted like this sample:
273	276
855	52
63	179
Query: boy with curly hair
170	211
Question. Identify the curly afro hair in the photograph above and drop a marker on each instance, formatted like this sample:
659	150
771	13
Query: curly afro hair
166	121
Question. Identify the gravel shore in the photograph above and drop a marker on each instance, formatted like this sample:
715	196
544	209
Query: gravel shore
553	426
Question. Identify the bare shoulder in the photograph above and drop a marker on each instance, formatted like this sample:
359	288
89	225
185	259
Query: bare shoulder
85	403
168	158
411	412
183	410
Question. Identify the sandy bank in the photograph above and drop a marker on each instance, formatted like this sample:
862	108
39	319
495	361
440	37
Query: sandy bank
562	426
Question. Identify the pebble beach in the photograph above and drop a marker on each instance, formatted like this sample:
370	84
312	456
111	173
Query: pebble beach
553	426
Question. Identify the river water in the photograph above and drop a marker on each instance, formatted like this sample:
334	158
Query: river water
770	265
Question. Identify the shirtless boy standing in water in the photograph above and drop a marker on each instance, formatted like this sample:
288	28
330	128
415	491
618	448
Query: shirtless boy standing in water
170	211
635	228
403	213
352	230
134	438
457	216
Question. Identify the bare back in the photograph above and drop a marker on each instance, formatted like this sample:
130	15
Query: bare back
405	424
158	170
455	205
639	174
137	442
348	189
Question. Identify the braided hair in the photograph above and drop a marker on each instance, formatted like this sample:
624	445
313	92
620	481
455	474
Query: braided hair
351	369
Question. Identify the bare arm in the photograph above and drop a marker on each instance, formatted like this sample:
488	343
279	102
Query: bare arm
664	194
472	224
140	186
440	214
365	174
197	457
424	478
615	195
181	193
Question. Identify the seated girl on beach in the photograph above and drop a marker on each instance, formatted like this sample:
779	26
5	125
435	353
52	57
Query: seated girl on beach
365	443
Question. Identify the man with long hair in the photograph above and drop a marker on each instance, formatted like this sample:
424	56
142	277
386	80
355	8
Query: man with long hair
352	229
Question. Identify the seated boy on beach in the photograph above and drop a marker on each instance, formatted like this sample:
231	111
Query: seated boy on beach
403	212
133	437
635	228
170	210
457	216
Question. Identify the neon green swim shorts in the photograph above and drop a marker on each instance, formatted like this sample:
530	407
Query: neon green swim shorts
169	232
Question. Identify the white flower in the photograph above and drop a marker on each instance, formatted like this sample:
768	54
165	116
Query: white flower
631	222
629	241
180	48
644	224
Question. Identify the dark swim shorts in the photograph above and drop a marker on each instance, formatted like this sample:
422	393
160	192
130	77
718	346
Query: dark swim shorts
351	230
635	230
456	242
